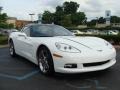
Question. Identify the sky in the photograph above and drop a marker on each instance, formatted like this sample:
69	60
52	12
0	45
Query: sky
92	8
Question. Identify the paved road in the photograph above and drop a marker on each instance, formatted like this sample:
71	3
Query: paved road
20	74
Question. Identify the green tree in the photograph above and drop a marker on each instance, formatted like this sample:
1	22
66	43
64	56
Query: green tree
66	21
6	26
92	23
70	7
47	17
101	20
59	9
115	19
65	15
3	25
78	18
58	15
3	18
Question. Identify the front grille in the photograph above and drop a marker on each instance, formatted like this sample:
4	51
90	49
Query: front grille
95	64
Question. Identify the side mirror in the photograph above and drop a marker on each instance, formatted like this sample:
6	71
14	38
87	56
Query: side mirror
22	35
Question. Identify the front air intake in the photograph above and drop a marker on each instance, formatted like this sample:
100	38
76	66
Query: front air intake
95	64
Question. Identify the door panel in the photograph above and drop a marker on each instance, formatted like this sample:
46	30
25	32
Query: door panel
26	46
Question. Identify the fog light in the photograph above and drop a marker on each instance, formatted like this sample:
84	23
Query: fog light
70	66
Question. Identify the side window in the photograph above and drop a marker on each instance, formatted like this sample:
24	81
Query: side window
26	30
34	31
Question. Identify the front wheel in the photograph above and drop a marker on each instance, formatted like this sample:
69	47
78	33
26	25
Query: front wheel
45	61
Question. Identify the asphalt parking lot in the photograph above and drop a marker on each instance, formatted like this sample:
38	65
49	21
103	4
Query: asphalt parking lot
20	74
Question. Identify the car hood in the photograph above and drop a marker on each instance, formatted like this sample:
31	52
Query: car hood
89	42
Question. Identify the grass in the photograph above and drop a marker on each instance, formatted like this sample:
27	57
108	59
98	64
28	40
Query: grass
3	40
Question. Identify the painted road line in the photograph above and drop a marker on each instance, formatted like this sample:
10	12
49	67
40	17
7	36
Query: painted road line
20	77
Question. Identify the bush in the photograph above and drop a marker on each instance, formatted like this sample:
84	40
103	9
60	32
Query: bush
101	29
1	35
114	39
3	40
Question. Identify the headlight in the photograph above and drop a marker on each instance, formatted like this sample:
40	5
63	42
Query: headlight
67	48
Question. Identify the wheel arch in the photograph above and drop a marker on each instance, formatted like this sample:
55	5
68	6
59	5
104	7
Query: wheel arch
42	45
51	62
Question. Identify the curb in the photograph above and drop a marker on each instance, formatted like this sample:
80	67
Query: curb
3	46
117	46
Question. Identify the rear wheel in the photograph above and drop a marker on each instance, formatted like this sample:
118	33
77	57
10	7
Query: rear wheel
45	61
12	49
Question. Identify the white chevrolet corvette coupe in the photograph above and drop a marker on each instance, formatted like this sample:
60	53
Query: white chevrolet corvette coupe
55	49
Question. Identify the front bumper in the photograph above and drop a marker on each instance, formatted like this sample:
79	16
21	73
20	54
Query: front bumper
81	59
86	69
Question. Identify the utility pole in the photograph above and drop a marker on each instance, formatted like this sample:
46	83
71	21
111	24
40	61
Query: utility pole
97	22
40	18
1	8
31	15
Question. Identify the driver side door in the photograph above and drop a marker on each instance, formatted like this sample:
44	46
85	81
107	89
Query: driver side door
25	43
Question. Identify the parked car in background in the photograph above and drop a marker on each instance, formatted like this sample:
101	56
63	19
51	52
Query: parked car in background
109	32
113	32
12	30
77	32
7	31
92	31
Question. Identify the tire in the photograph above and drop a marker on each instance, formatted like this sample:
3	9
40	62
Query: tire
45	61
12	49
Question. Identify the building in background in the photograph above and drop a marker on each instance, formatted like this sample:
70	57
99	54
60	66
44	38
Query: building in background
17	23
21	23
12	20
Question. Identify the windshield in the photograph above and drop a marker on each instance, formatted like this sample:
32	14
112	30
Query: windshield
49	31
